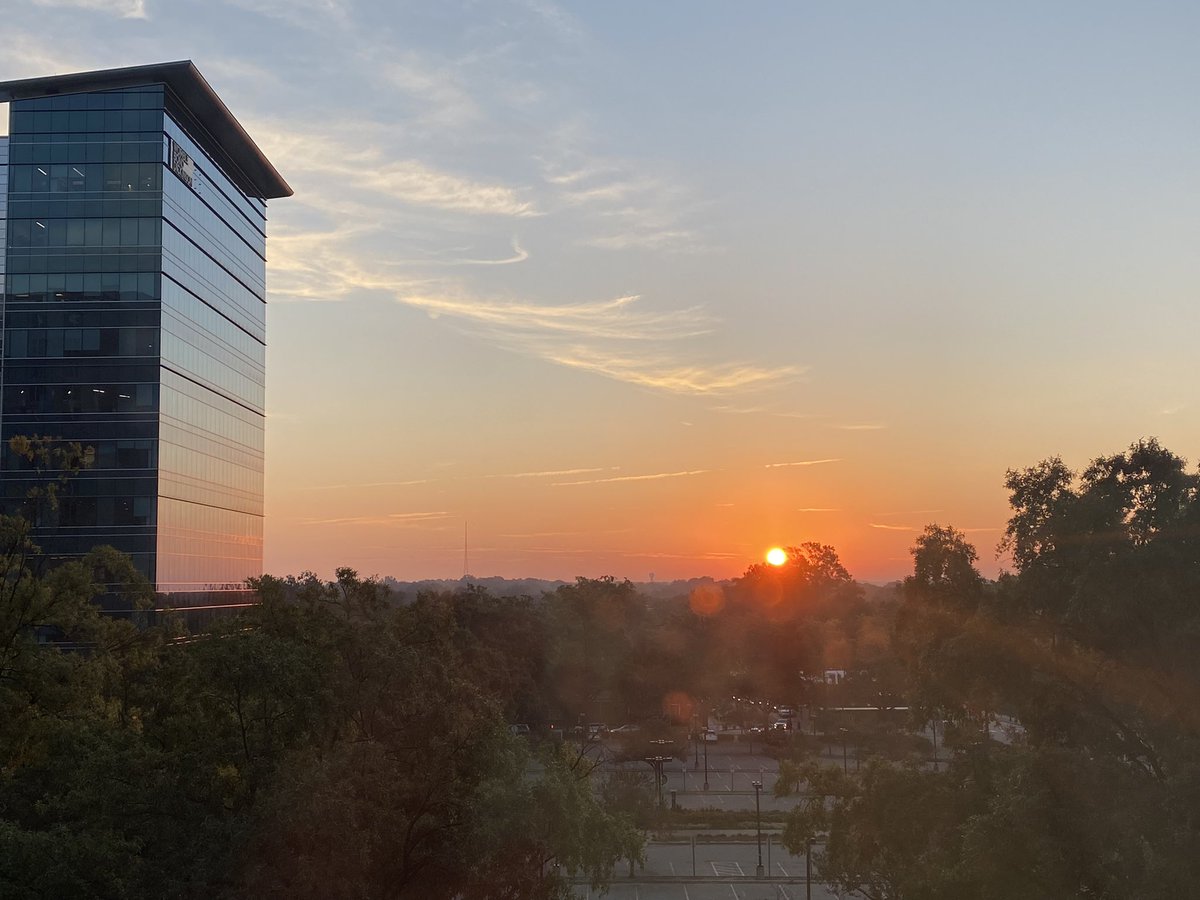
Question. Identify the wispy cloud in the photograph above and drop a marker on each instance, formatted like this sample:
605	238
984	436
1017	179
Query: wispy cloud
411	519
29	56
125	9
545	534
560	22
519	255
310	15
367	166
367	484
817	509
598	337
555	472
646	239
243	71
369	218
801	462
713	554
617	319
763	410
665	374
442	100
894	527
622	207
653	477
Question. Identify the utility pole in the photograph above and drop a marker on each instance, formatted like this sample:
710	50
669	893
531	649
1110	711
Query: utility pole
758	826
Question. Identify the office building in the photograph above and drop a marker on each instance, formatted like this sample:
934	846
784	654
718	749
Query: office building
133	221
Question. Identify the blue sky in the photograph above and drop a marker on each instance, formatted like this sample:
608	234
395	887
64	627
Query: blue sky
628	287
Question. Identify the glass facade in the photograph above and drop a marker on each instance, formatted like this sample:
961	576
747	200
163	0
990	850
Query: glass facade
134	321
3	219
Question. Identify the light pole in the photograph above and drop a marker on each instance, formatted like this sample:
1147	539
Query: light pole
758	826
696	741
706	759
808	869
845	763
656	763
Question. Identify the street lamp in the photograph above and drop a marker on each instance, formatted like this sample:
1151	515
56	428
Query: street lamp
757	785
845	763
656	763
808	869
706	759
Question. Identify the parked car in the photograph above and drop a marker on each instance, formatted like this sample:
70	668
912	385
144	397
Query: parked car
596	730
520	729
710	735
781	725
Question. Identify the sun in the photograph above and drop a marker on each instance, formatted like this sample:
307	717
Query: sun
776	556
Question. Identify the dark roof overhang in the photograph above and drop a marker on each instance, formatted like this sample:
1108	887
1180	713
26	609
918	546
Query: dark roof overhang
251	170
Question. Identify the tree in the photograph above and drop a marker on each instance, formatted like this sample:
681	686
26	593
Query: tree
891	832
414	769
944	572
593	621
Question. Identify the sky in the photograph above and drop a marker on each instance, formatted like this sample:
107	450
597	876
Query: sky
628	288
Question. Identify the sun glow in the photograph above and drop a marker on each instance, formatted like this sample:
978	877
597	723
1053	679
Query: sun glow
776	556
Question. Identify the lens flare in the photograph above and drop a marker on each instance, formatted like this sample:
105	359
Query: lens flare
776	556
707	599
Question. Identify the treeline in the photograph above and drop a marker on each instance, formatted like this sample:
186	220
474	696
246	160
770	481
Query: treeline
1092	644
327	743
337	740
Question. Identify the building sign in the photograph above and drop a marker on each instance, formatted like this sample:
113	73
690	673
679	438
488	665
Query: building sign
182	164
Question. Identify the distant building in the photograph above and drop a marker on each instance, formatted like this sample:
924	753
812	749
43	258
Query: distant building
133	221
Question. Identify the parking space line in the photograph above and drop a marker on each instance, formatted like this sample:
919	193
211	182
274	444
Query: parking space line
782	869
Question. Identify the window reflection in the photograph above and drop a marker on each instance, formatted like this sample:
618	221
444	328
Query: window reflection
163	376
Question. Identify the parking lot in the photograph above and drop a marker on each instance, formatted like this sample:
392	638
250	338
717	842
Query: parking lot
724	870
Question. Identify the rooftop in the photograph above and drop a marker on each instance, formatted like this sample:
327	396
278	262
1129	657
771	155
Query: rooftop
244	162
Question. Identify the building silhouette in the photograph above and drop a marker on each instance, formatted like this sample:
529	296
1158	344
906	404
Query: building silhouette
133	221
